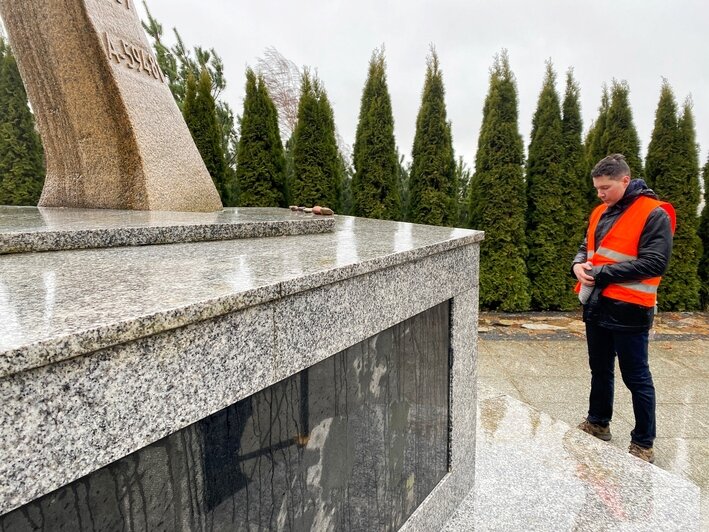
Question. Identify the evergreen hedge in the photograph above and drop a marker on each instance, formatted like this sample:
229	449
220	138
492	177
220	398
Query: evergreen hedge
21	155
704	236
316	165
497	196
374	185
260	169
199	111
673	169
432	187
548	219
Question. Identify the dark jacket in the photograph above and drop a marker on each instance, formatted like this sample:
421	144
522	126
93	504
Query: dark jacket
654	250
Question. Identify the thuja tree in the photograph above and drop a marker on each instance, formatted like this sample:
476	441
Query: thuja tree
21	155
498	199
260	170
198	110
619	134
594	147
662	155
673	168
316	166
432	188
375	191
576	181
549	224
704	235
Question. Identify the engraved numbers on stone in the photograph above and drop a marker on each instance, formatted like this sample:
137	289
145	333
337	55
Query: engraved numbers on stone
133	57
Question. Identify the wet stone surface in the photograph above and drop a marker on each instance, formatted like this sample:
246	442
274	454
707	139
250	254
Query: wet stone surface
550	373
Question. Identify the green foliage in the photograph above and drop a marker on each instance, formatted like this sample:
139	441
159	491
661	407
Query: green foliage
403	174
178	63
260	170
375	190
432	185
498	197
548	221
346	200
199	113
704	236
620	135
595	148
575	180
316	166
662	156
673	168
21	155
463	175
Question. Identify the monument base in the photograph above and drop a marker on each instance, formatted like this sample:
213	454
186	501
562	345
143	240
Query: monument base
311	374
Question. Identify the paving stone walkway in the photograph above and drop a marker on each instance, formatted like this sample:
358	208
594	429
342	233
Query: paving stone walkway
547	369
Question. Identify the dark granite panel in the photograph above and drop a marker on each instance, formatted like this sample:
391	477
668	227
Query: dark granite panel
355	442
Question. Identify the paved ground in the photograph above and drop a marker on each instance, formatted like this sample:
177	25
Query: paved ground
540	359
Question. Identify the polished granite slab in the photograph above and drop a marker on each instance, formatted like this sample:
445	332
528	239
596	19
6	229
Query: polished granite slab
534	472
355	443
26	229
57	305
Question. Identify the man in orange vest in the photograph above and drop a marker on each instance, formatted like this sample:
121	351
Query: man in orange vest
618	267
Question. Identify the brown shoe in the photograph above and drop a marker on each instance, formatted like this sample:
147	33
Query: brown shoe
644	453
602	433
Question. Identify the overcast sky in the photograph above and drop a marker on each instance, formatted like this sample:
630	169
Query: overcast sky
638	41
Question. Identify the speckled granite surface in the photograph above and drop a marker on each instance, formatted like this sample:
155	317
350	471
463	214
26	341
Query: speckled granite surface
170	334
24	229
63	304
534	472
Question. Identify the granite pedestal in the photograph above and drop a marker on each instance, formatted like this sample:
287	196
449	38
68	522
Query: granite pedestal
207	372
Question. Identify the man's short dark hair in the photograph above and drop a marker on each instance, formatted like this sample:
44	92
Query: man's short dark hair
614	166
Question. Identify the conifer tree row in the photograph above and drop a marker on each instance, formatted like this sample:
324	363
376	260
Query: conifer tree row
595	149
21	154
432	187
576	181
619	133
673	169
201	119
497	196
703	233
375	190
547	218
316	164
260	171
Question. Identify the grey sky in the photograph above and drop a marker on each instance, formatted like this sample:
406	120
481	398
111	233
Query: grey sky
639	41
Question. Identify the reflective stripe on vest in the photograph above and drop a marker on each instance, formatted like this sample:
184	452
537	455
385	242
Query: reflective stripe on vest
620	244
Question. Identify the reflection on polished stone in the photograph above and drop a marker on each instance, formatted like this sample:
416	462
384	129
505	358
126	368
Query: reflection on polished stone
355	442
537	473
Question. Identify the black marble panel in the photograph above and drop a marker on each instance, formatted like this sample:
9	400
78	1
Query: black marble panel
355	442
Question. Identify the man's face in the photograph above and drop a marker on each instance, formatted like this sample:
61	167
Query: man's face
610	191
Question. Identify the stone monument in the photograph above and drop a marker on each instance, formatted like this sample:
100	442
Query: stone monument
113	136
180	371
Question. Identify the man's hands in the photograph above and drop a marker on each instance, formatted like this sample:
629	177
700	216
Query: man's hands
581	270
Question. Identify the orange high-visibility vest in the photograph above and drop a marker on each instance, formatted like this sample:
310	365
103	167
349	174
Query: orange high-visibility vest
621	245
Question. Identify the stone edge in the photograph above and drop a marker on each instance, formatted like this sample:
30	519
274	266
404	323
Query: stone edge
32	241
80	342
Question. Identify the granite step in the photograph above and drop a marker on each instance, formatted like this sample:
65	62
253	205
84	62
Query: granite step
534	472
27	229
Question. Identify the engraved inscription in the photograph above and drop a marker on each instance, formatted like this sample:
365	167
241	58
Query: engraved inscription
133	57
124	3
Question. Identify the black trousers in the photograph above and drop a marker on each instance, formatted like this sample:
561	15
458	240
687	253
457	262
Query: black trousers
632	351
